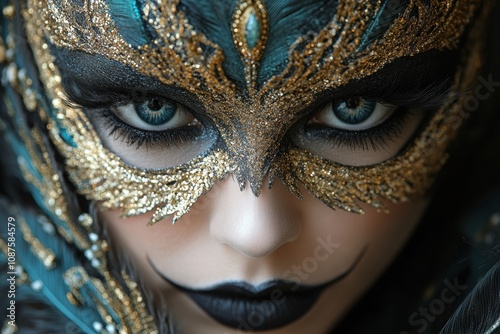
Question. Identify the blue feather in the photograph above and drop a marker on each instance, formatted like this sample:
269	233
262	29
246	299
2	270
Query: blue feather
54	288
128	20
288	20
388	12
23	156
213	19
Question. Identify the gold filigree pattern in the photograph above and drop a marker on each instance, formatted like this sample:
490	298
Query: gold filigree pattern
118	298
44	254
342	187
111	301
51	191
251	126
40	171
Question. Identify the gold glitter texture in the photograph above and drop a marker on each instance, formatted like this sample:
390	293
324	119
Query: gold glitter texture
43	174
252	125
118	299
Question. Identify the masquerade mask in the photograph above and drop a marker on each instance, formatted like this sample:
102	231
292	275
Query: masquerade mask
241	95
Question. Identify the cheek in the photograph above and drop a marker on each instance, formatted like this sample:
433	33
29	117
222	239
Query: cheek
370	228
327	244
190	245
379	236
135	240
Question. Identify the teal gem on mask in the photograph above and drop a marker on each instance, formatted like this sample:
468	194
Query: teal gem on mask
252	30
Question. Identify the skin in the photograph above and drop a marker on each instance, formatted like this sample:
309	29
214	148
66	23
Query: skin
233	235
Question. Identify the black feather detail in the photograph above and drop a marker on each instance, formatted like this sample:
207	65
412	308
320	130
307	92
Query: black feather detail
129	22
288	20
389	11
213	19
480	312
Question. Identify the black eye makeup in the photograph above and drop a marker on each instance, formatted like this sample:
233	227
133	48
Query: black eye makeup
155	114
153	132
359	131
157	132
351	114
373	120
155	121
363	123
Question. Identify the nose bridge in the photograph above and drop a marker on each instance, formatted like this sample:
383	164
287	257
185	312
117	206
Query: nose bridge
254	226
253	132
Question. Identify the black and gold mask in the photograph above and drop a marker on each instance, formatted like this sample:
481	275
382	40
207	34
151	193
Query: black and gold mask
236	87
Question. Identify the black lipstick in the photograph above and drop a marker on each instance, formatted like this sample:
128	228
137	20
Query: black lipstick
266	306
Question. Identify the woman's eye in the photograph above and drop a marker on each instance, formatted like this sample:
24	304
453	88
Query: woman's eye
154	133
353	114
357	131
155	114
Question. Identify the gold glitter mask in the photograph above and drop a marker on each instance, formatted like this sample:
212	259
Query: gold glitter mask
253	118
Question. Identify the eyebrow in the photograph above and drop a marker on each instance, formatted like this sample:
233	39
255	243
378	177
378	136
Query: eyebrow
87	77
402	80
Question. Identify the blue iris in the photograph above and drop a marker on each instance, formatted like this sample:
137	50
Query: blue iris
156	111
354	110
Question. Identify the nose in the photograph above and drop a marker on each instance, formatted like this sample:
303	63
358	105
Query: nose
254	226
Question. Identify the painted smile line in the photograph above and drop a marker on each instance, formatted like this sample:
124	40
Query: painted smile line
269	305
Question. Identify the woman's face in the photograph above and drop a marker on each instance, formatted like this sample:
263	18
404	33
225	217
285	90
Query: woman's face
231	236
261	155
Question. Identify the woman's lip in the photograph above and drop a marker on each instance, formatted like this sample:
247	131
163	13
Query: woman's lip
266	306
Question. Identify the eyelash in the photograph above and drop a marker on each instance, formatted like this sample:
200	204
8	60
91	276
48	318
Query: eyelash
133	136
429	99
374	138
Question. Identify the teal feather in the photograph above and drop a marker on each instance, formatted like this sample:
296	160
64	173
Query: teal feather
128	19
54	288
17	123
288	19
23	157
213	19
14	121
389	11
